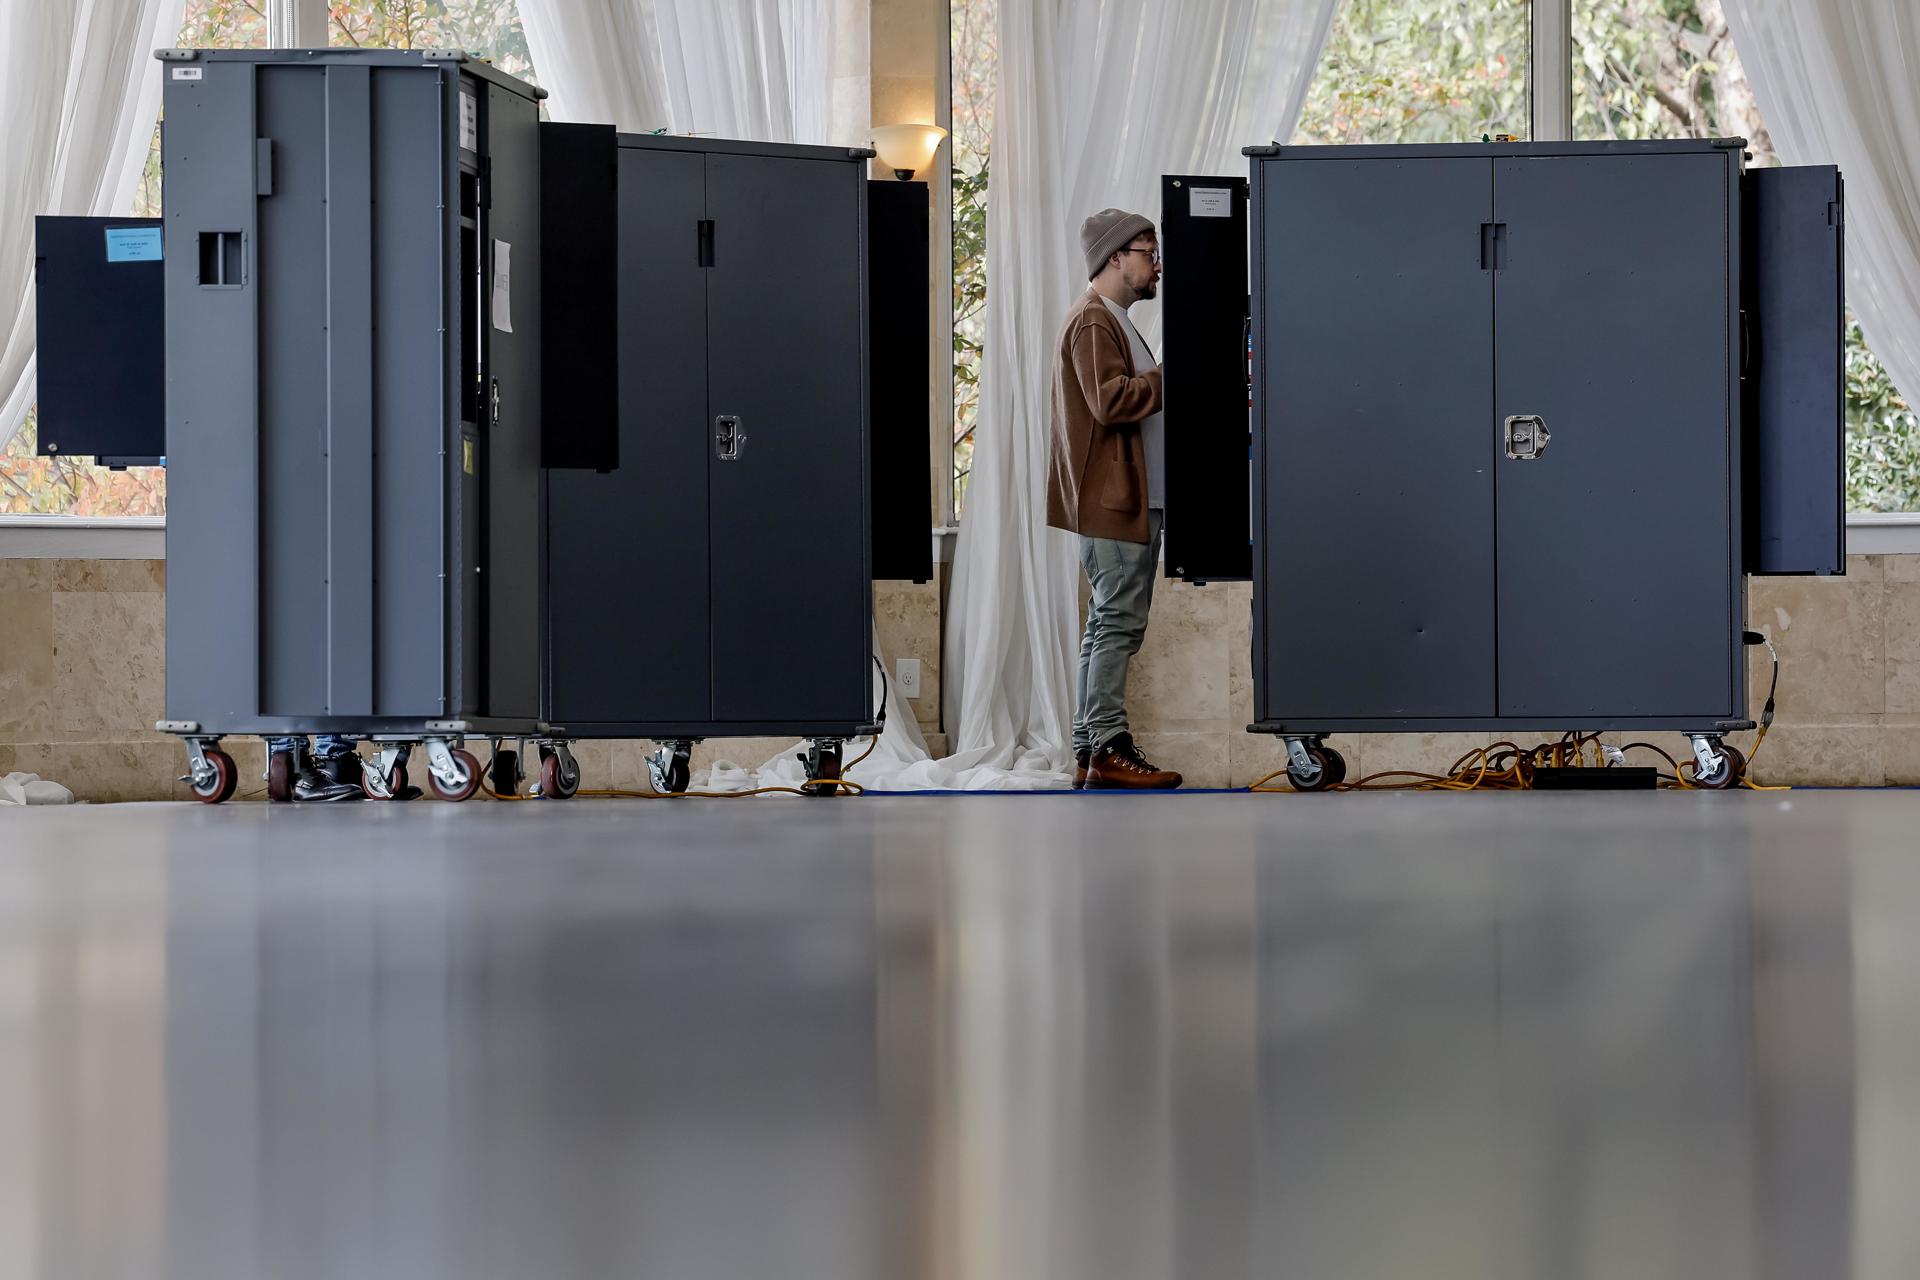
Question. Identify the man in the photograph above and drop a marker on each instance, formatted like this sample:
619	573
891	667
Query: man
1106	483
331	771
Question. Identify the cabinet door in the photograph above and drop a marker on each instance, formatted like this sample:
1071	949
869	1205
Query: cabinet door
786	325
1203	233
1795	369
1613	318
627	551
1373	350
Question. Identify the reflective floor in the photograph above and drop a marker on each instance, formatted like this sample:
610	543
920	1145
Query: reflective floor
1021	1038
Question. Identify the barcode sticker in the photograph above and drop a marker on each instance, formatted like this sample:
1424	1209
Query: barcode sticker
188	73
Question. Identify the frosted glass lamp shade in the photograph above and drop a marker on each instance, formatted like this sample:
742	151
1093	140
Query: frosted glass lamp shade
907	148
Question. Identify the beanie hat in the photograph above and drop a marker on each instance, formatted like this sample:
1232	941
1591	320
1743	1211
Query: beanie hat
1107	231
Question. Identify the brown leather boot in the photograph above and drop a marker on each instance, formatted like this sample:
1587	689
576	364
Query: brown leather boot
1080	759
1119	766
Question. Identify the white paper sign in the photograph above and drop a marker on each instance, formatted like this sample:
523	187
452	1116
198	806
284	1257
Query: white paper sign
503	286
1211	202
469	121
187	73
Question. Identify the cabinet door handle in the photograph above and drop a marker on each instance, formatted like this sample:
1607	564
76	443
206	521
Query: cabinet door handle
1527	437
728	438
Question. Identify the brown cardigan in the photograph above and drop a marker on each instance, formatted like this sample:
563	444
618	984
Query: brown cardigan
1097	470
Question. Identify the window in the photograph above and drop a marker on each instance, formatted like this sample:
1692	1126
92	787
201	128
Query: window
32	485
975	60
487	28
1402	71
1668	69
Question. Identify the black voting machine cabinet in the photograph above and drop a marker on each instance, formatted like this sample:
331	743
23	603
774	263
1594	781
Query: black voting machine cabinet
711	509
445	518
1523	418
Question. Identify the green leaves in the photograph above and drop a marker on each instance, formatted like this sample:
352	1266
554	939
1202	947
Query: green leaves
1883	434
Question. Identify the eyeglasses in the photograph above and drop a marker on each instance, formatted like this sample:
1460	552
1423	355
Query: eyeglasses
1154	252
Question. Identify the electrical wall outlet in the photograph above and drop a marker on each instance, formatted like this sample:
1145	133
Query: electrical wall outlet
906	674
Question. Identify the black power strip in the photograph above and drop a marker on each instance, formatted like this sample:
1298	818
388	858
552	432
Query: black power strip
1617	778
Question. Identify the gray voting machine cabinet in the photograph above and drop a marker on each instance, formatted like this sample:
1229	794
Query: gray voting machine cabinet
709	561
1523	419
352	337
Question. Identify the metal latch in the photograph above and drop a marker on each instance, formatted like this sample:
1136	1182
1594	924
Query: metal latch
1527	437
493	401
728	438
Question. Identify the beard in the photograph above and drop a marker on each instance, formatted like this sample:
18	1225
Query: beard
1146	292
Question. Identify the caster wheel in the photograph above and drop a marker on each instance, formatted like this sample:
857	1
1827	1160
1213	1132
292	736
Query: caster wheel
556	781
1731	770
470	767
1323	779
504	776
394	787
280	776
679	775
823	763
1337	766
220	787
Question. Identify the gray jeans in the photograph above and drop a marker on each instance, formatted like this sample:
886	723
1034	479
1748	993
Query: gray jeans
1122	575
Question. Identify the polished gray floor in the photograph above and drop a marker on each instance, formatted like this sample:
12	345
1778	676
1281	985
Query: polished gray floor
1040	1038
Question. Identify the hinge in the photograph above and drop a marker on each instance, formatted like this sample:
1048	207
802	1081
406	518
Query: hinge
706	242
1836	214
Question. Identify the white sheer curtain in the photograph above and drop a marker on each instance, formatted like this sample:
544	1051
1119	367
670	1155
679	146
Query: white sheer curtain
1096	99
1838	82
752	69
79	95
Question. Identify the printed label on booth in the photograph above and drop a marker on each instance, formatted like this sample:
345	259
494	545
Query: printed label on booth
133	244
1211	202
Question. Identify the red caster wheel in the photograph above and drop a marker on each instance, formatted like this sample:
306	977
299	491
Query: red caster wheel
470	778
559	776
823	762
280	776
393	788
217	787
1732	768
1332	769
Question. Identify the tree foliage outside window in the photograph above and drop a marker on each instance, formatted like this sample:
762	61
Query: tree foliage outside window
1668	69
975	59
1406	71
489	29
32	485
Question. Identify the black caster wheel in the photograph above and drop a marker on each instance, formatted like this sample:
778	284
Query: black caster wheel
1733	767
504	775
1336	764
280	776
679	775
218	788
823	762
470	770
1324	776
395	788
557	781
